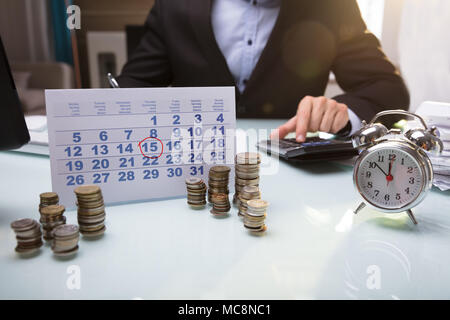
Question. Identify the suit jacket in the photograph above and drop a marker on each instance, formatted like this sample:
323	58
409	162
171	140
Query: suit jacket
309	39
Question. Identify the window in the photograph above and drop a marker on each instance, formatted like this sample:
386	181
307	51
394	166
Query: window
373	14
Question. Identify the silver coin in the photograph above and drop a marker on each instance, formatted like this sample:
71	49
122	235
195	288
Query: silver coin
65	230
23	224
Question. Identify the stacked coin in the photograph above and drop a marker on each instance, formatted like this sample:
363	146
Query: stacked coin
256	215
247	193
65	241
221	204
196	192
247	172
91	210
51	217
218	181
48	199
28	235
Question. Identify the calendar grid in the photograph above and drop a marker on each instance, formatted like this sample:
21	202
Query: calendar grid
101	136
171	126
135	114
119	142
145	167
125	155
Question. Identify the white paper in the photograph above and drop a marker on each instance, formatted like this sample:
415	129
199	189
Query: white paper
36	123
441	182
437	114
95	137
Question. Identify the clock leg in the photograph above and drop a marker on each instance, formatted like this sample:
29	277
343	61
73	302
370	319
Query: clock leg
361	206
411	216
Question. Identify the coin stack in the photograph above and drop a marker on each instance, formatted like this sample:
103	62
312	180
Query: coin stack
218	181
247	172
28	235
65	241
247	193
48	199
256	215
196	192
221	204
91	210
51	217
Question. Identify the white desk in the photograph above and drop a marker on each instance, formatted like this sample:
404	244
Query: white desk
314	248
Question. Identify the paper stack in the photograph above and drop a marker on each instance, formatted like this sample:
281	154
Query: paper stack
438	114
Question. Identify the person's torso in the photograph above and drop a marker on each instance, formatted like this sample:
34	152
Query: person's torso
295	61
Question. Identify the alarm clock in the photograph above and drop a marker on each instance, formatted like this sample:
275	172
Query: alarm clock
393	172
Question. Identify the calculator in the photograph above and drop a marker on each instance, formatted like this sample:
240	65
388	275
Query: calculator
313	149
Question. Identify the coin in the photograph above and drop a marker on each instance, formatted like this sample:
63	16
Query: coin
65	240
193	181
258	204
28	234
246	172
92	219
221	204
218	181
47	199
91	209
53	210
249	182
48	196
28	250
51	216
23	224
66	253
67	230
94	233
248	158
92	228
87	190
254	217
220	169
196	192
247	193
91	212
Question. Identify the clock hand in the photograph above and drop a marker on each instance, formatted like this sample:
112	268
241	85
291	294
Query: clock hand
390	177
381	169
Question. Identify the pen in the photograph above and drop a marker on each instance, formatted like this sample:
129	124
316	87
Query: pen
112	81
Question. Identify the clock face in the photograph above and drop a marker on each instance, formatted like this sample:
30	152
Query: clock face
389	178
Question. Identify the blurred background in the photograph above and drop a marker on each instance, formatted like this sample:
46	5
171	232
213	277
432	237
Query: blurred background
45	54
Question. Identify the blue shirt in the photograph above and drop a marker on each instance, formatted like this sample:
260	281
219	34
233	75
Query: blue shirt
241	29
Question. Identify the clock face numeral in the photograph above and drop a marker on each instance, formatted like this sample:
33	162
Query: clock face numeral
389	178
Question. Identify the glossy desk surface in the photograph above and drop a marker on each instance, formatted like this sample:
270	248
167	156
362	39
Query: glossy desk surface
315	246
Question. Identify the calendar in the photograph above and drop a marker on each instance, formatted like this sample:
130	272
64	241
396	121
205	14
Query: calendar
137	144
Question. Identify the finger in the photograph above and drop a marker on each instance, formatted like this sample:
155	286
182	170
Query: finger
303	116
284	129
275	134
319	109
328	117
341	119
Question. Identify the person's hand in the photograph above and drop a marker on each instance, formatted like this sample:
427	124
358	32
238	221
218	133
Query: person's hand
314	114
